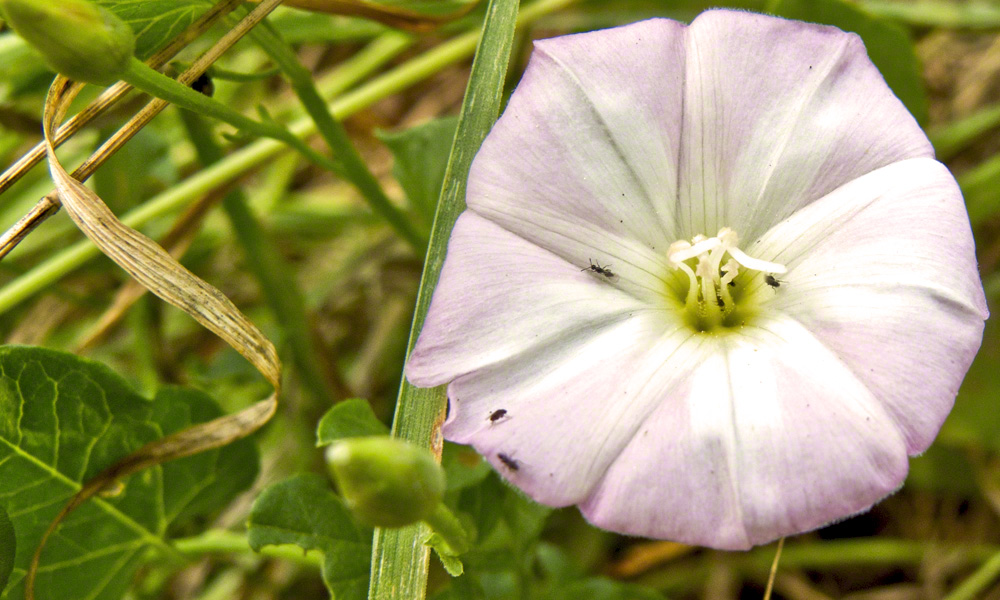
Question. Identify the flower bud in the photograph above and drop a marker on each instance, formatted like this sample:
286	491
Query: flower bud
386	482
78	39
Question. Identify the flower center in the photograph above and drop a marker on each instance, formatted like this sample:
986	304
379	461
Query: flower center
716	290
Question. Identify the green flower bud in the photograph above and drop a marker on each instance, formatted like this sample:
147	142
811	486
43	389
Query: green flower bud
83	41
386	482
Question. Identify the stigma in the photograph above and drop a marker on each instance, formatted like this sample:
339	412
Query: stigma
711	266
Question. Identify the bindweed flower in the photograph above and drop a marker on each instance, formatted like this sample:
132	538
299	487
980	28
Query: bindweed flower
711	285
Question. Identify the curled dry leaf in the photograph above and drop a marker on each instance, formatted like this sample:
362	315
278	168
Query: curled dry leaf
157	271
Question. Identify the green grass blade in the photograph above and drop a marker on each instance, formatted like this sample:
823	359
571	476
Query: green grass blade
399	557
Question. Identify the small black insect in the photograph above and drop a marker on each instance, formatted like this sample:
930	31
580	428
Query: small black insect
509	462
497	415
203	85
772	281
597	268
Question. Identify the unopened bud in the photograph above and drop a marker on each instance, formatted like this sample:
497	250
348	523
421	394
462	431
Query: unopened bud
386	482
78	39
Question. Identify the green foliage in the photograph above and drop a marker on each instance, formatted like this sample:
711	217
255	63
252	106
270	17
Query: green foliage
889	45
155	22
305	512
63	420
8	547
347	419
463	467
421	157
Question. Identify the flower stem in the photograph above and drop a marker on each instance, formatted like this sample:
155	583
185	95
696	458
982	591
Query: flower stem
142	77
444	523
220	541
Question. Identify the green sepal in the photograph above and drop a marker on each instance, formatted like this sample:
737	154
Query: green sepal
386	482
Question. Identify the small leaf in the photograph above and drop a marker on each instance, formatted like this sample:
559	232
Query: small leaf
63	420
8	546
889	46
351	418
421	157
452	564
305	512
155	22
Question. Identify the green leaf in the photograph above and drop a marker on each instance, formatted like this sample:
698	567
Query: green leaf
351	418
63	420
155	22
421	157
305	512
889	45
8	546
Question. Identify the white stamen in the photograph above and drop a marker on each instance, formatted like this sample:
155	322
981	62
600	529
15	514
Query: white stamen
713	273
756	264
677	253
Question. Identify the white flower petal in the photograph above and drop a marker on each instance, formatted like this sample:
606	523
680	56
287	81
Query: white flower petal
770	436
571	408
778	113
883	271
499	297
583	161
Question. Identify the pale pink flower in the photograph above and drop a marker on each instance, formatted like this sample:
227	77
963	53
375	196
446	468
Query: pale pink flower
715	278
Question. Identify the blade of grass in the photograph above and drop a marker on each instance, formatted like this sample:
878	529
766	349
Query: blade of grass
977	583
937	13
353	166
954	137
399	556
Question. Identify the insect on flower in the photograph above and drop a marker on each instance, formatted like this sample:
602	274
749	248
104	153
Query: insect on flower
497	415
508	462
597	268
688	401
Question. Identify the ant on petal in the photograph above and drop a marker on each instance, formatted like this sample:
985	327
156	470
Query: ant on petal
597	268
